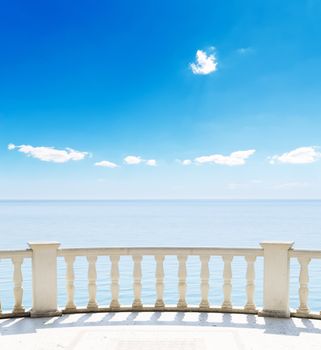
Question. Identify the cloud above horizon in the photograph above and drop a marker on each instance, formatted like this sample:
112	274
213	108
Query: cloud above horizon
300	155
151	162
106	164
134	160
185	162
234	159
205	63
49	154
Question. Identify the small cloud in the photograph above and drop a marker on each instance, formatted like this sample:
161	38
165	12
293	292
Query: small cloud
245	51
151	162
50	154
186	162
205	64
301	155
106	164
235	158
133	160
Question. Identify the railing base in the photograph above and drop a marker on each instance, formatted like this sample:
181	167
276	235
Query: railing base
147	308
274	313
36	314
14	314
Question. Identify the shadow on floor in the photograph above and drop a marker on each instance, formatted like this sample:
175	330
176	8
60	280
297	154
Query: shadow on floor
288	327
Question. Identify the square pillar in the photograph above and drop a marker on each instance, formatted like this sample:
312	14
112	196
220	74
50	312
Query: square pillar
44	279
276	279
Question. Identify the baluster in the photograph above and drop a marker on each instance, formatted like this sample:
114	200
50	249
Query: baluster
304	281
204	281
137	282
70	278
114	304
17	280
92	276
250	284
227	276
159	281
182	281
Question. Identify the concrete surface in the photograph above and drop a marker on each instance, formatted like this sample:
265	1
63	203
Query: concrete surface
159	331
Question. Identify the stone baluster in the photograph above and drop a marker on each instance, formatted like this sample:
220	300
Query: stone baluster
204	281
137	274
114	304
182	281
250	284
159	275
17	280
227	286
70	278
304	281
92	277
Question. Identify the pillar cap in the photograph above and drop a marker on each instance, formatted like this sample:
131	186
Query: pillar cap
39	245
277	244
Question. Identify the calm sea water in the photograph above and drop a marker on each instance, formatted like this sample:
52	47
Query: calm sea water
159	223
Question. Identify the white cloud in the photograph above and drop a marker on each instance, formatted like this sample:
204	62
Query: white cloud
205	64
49	154
235	158
133	160
151	162
106	164
301	155
186	162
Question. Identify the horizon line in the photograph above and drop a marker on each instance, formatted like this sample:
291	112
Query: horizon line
152	199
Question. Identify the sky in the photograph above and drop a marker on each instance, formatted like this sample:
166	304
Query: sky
160	99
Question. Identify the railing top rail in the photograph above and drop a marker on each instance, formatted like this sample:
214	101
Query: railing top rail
313	254
8	254
161	251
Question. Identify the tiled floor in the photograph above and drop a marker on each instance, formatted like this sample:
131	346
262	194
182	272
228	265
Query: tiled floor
159	331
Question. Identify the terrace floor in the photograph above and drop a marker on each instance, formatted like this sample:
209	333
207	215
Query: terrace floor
159	331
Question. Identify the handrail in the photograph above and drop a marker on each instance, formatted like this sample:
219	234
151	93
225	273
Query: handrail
161	250
8	254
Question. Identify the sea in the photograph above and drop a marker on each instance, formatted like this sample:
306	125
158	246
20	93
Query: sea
160	223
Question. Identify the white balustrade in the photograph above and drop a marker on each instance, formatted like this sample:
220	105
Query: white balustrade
250	285
182	281
17	281
92	277
204	281
70	277
276	257
159	275
227	286
137	304
114	282
304	280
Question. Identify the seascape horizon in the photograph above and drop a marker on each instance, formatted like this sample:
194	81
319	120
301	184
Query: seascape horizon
170	223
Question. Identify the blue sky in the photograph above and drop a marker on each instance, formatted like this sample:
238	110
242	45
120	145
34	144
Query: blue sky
111	79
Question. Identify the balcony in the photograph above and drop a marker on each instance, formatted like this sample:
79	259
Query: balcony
161	325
